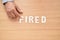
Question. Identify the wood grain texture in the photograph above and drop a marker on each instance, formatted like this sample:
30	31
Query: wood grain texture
49	31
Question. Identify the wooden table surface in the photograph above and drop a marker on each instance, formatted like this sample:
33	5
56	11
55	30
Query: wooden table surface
10	30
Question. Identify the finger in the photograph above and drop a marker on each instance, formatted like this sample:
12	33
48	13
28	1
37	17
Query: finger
16	13
12	13
9	14
20	11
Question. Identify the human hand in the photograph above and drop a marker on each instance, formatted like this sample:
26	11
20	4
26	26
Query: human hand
13	11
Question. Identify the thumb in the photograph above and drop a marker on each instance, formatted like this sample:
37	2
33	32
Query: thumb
20	11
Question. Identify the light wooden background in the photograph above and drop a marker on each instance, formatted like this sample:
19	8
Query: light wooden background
10	30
